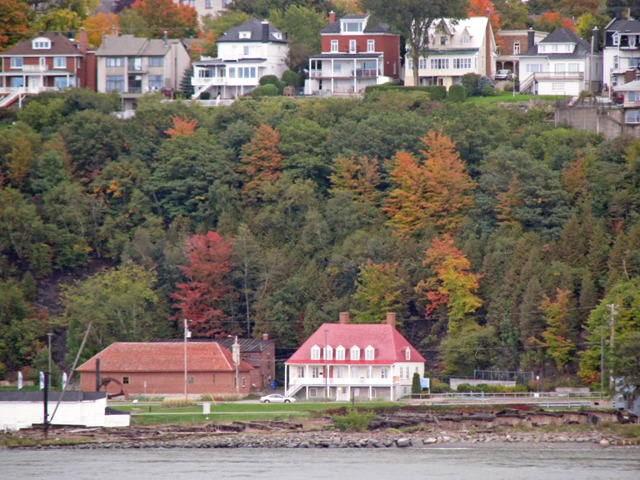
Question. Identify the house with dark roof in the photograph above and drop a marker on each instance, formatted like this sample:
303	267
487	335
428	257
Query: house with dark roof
134	66
245	54
456	48
621	52
511	44
49	61
344	361
189	368
357	51
260	354
561	64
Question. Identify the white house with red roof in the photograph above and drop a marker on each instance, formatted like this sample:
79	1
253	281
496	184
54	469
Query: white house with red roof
344	361
158	368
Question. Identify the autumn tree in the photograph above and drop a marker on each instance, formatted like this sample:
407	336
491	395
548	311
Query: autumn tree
182	126
201	299
379	290
439	192
413	18
479	8
261	162
360	176
160	16
452	284
14	20
100	24
549	21
555	339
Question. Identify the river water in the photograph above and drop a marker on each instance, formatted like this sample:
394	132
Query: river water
546	462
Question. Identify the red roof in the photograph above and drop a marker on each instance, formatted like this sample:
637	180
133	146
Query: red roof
390	346
163	357
60	45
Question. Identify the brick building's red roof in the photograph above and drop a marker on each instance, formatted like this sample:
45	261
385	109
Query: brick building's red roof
60	46
163	357
390	346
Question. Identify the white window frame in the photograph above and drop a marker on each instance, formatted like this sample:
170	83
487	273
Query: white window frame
407	354
339	372
369	353
313	392
41	43
615	39
340	353
328	352
353	46
315	372
516	48
301	370
384	372
17	62
59	62
354	353
315	352
371	45
334	46
355	372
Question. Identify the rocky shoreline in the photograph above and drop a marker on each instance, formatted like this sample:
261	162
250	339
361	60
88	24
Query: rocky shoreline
167	438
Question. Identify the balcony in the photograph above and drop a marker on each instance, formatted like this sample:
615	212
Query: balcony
558	76
34	68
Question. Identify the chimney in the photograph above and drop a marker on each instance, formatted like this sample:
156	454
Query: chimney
82	40
594	40
265	336
265	31
344	318
531	39
332	17
391	318
165	37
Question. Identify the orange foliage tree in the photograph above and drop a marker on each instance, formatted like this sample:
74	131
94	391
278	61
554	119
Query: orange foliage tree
182	126
99	24
453	284
549	21
438	192
179	21
261	162
14	18
480	8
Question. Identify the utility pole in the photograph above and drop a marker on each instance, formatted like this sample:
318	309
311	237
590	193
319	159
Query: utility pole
612	322
601	360
326	365
187	334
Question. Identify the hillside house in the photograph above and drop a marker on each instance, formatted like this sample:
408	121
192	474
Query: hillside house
561	64
456	48
245	54
158	368
621	53
47	62
344	361
357	51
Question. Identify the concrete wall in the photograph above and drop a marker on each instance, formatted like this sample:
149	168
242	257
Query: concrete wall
606	121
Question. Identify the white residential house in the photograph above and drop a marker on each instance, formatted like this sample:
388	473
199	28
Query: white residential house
621	52
630	95
561	64
245	54
344	361
456	47
134	66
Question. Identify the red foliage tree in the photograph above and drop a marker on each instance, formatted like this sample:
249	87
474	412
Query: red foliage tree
201	299
485	8
179	21
181	126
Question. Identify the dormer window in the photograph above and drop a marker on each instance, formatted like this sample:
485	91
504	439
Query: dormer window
407	354
315	352
369	353
244	34
340	353
41	43
466	39
443	40
352	26
328	353
277	35
355	353
615	39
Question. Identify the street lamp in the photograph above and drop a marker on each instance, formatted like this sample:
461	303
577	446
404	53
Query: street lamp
235	355
187	334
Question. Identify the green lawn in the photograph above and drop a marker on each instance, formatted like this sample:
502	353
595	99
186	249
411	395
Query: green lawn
509	97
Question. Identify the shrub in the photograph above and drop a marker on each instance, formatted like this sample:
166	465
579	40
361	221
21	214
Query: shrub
457	93
440	388
273	80
205	95
437	92
292	78
486	88
268	90
415	383
354	421
470	83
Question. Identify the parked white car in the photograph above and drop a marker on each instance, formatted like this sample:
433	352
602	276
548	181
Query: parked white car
276	398
503	75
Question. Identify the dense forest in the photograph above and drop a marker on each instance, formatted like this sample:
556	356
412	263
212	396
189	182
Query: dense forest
501	241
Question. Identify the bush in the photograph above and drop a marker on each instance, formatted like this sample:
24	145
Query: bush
437	92
470	83
205	96
268	90
457	93
354	421
486	88
292	78
440	388
416	387
273	80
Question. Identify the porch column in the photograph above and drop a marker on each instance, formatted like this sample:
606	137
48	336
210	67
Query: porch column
332	70
355	76
286	378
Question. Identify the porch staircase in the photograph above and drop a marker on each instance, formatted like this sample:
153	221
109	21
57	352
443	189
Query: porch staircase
293	390
10	98
527	84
